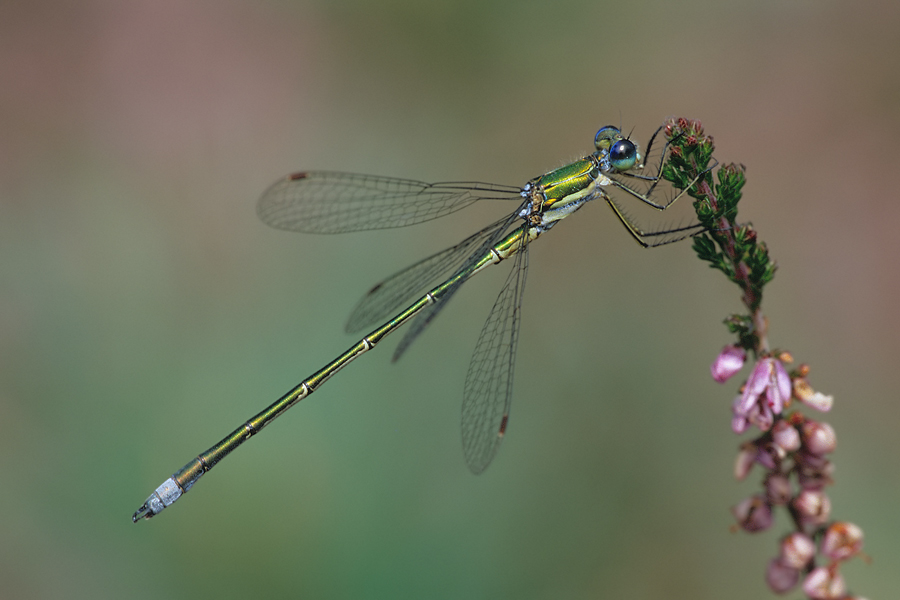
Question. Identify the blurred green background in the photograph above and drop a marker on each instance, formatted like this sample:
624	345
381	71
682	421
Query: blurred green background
145	312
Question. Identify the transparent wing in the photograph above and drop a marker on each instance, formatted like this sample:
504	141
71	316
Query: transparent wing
388	296
421	321
488	391
334	202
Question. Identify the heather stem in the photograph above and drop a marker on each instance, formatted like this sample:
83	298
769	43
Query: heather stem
725	237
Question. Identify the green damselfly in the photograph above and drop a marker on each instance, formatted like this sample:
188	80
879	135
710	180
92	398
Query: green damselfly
332	202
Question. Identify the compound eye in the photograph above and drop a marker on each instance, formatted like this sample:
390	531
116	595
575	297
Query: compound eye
622	155
606	136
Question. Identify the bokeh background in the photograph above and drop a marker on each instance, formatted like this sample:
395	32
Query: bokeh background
145	312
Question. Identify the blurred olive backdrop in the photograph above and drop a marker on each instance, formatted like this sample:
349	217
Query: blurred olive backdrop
145	311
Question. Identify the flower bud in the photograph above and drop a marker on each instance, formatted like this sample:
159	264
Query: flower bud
781	578
770	455
842	540
812	506
797	549
818	438
785	357
778	488
814	474
751	235
786	436
824	583
753	514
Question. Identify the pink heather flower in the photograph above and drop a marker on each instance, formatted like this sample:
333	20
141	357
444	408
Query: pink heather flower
778	488
812	506
759	414
765	394
786	436
730	361
805	394
819	438
739	421
770	456
780	577
813	472
753	514
842	540
824	583
797	549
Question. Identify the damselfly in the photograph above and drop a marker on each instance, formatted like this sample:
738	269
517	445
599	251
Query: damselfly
331	202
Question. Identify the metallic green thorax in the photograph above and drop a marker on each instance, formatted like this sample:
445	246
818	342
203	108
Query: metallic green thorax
559	193
571	179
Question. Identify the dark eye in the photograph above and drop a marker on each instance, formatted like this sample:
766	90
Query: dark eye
606	136
622	155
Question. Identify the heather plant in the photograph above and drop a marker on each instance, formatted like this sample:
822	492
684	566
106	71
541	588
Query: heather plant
789	447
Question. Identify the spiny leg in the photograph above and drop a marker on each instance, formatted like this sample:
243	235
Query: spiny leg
663	236
640	235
